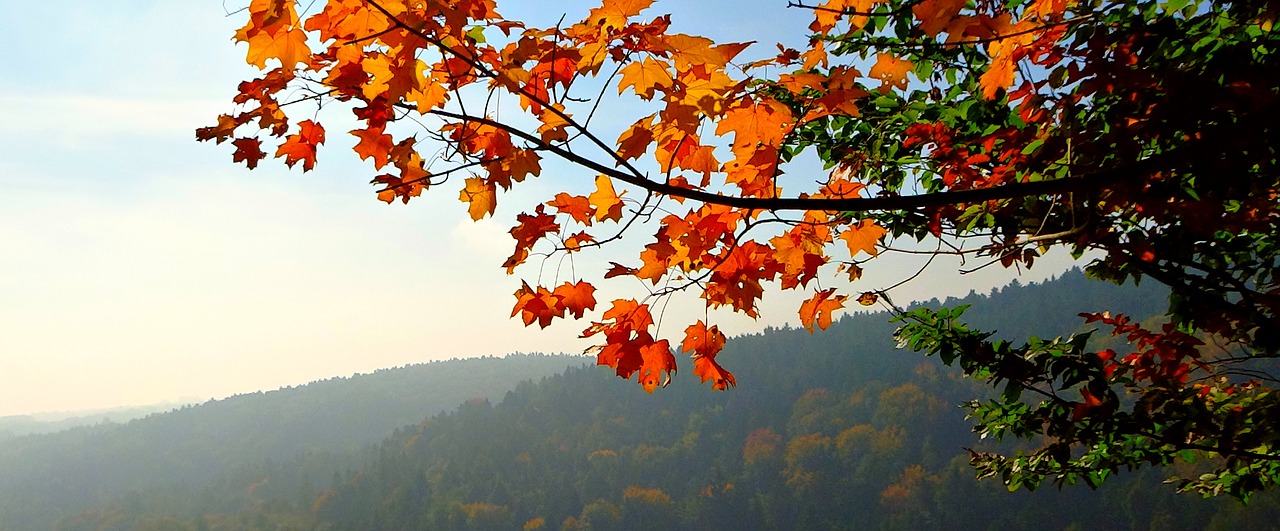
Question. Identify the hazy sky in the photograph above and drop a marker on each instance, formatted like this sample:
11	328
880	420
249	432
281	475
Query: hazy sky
140	266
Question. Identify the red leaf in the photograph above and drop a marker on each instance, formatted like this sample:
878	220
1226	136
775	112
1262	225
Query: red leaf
248	150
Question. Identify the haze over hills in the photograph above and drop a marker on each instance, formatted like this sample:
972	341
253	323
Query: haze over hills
17	425
43	476
830	430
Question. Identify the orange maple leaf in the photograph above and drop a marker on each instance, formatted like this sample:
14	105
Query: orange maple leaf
936	16
629	314
656	365
613	14
576	206
577	298
645	77
706	368
828	14
760	123
891	71
288	44
819	307
688	51
529	230
535	305
482	196
576	241
301	146
703	341
553	124
374	144
863	237
607	202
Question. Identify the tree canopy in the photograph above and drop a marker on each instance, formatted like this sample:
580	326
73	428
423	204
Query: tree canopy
1138	135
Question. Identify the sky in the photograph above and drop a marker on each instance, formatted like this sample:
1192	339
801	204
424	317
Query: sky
140	266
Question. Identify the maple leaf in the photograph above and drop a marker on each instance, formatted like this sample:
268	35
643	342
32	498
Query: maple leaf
645	77
863	237
619	270
287	45
891	71
613	14
629	314
529	230
576	206
703	341
853	270
1081	409
1005	53
482	196
706	368
689	51
301	146
576	298
431	95
817	310
374	144
656	366
936	16
760	123
535	305
607	202
553	124
653	265
826	16
225	129
577	241
636	139
248	150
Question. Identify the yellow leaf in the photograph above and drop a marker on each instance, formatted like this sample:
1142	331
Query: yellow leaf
608	204
645	76
288	45
481	194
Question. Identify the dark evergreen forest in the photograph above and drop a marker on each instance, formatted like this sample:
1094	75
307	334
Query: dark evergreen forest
834	430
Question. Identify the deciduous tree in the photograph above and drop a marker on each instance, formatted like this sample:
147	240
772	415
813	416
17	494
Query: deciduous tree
1137	134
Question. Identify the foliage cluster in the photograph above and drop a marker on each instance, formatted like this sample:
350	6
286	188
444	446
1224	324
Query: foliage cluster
1137	134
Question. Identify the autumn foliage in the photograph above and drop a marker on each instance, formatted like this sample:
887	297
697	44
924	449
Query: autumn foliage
1138	135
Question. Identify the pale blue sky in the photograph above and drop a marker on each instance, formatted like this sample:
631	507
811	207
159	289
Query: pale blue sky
140	266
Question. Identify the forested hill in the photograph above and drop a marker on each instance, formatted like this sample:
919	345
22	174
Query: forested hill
834	430
49	476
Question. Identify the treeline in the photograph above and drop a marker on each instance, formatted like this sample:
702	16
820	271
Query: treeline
47	477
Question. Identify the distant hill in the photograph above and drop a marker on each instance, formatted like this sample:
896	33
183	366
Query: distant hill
12	426
48	476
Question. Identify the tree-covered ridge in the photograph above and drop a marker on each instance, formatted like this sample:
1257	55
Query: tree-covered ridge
844	432
49	476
